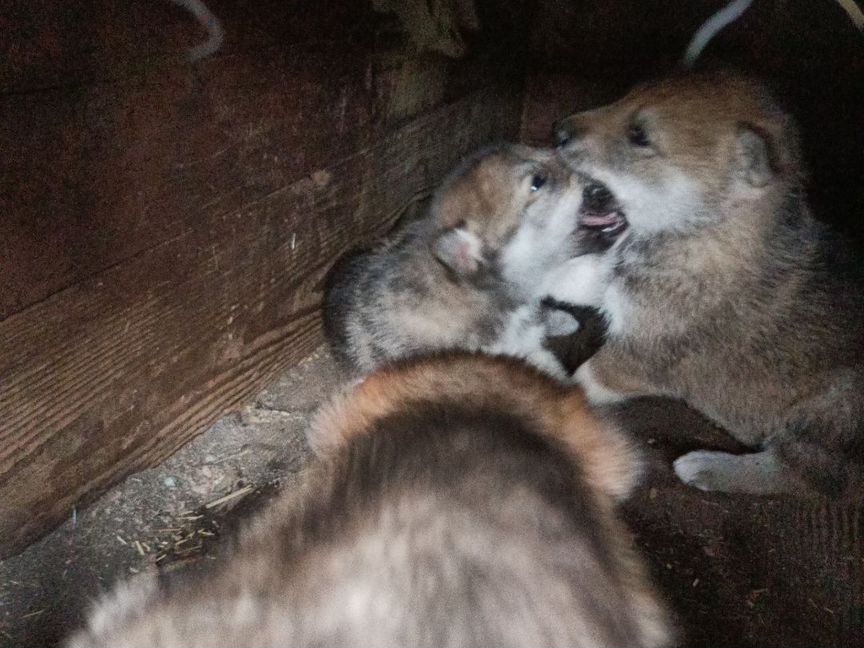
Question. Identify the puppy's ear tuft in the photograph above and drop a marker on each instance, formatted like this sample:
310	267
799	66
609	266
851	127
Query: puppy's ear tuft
459	250
755	157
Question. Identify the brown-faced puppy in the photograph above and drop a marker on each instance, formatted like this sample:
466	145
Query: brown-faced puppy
721	289
461	500
497	223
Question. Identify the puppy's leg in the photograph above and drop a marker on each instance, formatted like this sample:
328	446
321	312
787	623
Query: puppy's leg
596	392
810	452
610	377
757	473
827	456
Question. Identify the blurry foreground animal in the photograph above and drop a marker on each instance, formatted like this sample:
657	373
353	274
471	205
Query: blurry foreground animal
460	500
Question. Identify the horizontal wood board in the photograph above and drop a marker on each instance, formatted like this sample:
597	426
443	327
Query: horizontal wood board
165	227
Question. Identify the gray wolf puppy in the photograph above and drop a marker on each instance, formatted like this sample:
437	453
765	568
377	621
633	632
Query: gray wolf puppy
721	288
461	500
497	223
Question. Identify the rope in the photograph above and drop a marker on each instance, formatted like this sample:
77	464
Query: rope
215	31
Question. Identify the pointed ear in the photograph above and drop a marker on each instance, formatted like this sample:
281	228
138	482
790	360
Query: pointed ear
754	155
459	250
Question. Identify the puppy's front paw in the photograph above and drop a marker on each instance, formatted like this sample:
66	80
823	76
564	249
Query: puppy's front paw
757	473
559	322
580	280
705	469
523	337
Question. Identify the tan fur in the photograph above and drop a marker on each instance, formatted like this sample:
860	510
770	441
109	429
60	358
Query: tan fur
725	291
609	459
611	462
398	539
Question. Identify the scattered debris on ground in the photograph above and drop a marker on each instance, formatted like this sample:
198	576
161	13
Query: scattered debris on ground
738	571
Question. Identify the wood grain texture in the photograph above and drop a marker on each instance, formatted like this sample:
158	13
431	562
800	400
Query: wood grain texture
118	371
164	226
111	143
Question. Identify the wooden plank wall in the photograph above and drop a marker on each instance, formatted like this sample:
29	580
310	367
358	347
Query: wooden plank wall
164	226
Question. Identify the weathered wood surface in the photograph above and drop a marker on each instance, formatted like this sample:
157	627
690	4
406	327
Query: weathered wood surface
111	145
118	371
164	228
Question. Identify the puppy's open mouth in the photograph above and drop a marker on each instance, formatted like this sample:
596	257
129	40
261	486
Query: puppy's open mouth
600	211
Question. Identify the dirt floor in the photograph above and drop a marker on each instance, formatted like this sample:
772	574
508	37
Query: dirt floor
738	571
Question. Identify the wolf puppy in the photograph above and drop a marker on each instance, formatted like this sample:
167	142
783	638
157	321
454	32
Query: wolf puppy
498	222
461	500
721	289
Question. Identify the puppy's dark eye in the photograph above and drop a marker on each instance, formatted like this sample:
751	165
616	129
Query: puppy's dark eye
637	137
538	181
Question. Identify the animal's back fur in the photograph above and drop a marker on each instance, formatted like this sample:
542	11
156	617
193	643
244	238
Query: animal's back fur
435	525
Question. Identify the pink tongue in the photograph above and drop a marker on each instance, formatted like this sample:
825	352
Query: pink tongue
599	221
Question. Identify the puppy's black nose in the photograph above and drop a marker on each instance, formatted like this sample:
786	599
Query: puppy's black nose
596	197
